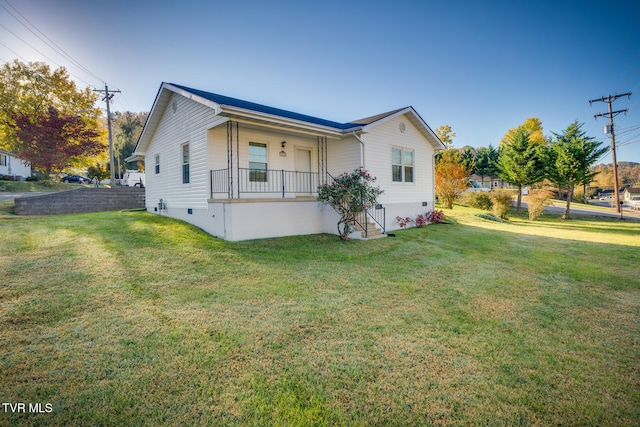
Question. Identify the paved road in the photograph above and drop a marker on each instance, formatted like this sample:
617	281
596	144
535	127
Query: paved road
7	196
586	210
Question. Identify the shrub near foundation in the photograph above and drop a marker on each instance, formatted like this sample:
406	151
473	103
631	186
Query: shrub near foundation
501	203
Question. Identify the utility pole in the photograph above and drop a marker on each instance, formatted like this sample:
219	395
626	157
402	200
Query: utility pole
609	99
108	94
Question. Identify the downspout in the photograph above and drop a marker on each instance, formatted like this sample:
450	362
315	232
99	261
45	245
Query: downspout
361	150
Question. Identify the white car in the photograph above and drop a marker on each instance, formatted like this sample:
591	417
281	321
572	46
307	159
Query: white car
476	186
133	179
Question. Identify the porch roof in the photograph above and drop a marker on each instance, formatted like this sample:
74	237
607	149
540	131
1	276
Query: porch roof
251	112
252	106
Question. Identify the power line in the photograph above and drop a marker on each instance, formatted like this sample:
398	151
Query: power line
16	53
108	94
32	47
44	38
609	99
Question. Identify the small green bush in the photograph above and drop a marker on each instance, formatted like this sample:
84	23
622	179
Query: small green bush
501	200
478	200
489	217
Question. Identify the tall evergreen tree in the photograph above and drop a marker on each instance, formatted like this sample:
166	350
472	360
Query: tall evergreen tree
468	155
486	162
521	162
573	154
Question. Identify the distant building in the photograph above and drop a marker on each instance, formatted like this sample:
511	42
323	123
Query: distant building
11	166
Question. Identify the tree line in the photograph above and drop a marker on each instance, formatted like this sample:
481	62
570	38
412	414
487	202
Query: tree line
524	157
46	120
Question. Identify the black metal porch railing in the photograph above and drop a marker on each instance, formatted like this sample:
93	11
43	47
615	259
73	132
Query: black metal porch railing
284	182
264	181
377	215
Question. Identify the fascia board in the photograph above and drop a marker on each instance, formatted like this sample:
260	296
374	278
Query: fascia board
249	115
416	120
213	105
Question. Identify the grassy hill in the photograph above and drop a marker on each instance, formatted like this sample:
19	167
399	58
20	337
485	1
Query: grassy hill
131	318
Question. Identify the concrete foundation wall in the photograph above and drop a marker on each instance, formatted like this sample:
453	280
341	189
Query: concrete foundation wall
82	200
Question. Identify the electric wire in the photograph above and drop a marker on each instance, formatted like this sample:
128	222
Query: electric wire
50	59
44	38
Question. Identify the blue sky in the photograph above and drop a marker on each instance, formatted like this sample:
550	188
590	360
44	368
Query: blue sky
481	67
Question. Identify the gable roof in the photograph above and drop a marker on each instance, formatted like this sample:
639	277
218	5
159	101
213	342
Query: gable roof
633	190
252	106
238	109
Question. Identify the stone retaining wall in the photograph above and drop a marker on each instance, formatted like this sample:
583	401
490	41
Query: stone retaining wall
82	200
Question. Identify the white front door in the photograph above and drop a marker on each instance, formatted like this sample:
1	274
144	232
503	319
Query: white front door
303	167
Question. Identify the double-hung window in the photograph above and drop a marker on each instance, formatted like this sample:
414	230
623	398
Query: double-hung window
185	164
257	162
157	164
402	161
3	160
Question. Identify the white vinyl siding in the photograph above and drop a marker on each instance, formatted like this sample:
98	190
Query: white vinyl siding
344	155
189	123
10	165
185	164
379	145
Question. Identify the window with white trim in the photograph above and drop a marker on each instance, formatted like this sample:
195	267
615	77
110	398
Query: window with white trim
402	161
186	177
257	162
3	160
157	164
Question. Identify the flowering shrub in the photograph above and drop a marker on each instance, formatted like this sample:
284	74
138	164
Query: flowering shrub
350	194
435	217
420	220
403	221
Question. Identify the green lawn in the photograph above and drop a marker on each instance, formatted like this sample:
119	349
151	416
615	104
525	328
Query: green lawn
29	186
136	319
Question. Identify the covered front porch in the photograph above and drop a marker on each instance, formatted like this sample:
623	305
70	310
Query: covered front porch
239	183
261	162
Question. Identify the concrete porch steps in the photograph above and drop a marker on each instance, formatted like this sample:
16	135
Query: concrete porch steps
374	231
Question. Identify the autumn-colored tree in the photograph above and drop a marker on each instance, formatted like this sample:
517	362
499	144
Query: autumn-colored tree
533	126
452	176
29	89
573	155
445	134
521	162
51	141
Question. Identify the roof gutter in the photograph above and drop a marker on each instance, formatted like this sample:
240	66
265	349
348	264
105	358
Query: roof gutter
250	115
361	148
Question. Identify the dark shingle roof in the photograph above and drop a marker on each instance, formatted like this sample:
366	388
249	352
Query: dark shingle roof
252	106
369	120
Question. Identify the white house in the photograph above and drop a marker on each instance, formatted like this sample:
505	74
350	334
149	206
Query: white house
241	170
12	166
